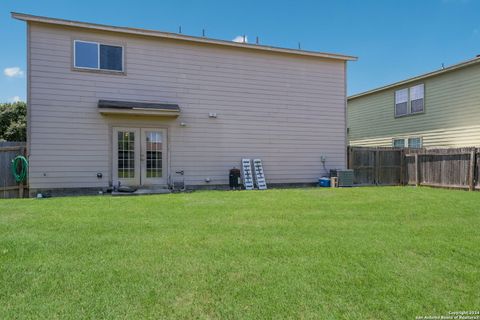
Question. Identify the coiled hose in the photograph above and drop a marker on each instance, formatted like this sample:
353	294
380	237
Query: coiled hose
19	176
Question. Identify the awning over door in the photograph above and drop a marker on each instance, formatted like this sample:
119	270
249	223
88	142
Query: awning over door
138	108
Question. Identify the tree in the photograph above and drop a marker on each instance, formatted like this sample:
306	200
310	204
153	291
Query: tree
13	121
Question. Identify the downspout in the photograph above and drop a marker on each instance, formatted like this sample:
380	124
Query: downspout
29	104
345	118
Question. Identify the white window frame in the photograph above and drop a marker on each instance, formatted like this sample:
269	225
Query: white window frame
98	54
408	142
405	141
410	98
409	101
395	139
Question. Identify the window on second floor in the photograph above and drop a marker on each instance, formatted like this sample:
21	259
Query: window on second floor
401	102
416	98
409	100
97	56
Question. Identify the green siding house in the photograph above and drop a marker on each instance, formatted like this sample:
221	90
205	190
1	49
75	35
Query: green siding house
437	109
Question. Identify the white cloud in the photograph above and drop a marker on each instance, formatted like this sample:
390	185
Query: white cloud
240	39
14	99
13	72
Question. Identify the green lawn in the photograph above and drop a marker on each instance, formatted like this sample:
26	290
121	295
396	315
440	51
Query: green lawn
362	253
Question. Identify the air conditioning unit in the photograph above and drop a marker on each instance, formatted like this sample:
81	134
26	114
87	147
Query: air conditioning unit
345	178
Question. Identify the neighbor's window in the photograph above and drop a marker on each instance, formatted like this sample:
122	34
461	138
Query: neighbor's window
416	98
410	100
399	143
401	102
97	56
415	143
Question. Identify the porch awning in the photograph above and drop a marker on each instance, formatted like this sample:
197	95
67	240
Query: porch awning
138	108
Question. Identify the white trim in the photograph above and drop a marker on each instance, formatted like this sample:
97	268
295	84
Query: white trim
406	140
418	78
174	36
410	98
409	101
140	178
98	56
163	180
140	111
136	180
399	139
397	101
75	55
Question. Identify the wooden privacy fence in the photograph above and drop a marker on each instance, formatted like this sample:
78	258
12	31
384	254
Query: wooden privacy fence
377	166
9	188
447	167
453	168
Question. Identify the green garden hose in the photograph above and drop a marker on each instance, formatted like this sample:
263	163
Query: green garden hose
19	176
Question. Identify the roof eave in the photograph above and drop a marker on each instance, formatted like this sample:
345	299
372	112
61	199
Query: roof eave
418	78
175	36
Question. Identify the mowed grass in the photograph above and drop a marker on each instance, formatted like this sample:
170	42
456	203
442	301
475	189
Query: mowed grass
360	253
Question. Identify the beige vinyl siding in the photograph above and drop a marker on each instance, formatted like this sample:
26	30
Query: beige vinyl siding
286	109
451	118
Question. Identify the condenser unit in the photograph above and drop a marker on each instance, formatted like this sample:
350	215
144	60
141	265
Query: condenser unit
345	178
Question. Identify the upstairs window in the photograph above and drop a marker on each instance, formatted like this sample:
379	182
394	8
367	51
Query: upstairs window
409	100
416	99
401	102
97	56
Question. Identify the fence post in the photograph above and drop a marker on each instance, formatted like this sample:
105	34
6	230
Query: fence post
417	171
402	164
350	158
21	187
471	172
377	165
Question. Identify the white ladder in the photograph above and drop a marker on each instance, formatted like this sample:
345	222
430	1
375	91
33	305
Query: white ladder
259	174
247	174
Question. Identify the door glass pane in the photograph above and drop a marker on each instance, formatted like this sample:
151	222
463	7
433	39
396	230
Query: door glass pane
154	154
126	155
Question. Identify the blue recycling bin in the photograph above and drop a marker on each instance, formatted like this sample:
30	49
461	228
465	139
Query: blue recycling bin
324	182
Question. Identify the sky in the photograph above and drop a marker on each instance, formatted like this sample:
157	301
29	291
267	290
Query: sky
393	40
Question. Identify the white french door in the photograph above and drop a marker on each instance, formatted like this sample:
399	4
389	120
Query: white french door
153	156
126	156
139	156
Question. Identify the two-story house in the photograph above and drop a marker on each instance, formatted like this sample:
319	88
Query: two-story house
437	109
113	105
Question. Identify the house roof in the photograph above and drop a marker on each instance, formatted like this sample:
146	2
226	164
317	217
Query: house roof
420	77
177	36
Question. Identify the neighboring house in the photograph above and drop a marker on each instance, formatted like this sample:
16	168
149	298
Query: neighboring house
437	109
110	105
